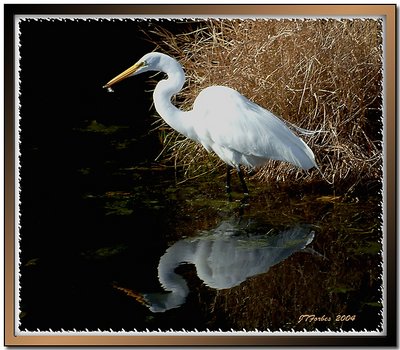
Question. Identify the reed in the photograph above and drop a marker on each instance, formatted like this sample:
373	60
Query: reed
318	74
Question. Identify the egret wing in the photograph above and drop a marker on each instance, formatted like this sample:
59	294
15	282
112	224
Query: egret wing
228	121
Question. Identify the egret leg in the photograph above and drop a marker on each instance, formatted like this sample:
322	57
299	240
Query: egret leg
241	178
228	181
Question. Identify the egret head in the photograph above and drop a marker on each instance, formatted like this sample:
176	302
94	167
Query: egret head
149	62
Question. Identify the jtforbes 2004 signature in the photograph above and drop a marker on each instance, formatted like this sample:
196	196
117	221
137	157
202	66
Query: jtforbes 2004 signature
324	318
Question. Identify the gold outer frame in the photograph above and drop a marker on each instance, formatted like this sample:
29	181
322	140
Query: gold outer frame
386	11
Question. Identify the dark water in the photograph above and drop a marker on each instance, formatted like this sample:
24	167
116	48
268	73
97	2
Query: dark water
125	247
109	240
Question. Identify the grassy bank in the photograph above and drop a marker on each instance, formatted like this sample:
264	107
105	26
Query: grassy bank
318	74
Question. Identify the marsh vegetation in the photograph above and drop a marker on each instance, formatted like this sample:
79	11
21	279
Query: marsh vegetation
317	74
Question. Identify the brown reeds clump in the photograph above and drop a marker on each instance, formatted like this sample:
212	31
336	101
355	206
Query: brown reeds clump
317	74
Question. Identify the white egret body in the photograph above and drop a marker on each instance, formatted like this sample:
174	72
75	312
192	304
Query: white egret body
239	131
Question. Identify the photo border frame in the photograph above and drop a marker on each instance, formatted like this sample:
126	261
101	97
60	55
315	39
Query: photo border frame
386	11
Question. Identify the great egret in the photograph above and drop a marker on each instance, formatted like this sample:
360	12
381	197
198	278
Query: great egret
239	131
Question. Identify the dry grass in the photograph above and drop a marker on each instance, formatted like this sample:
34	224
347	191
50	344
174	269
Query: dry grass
317	74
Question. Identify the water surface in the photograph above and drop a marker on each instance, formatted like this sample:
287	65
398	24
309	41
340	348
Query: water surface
126	247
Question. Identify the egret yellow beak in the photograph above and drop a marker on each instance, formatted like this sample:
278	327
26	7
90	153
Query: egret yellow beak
125	74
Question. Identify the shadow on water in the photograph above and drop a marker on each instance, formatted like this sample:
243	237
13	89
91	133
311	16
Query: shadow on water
224	257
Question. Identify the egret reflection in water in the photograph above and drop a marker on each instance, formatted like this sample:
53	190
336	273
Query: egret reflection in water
224	257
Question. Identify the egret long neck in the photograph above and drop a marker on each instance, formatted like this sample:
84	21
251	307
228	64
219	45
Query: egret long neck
163	93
